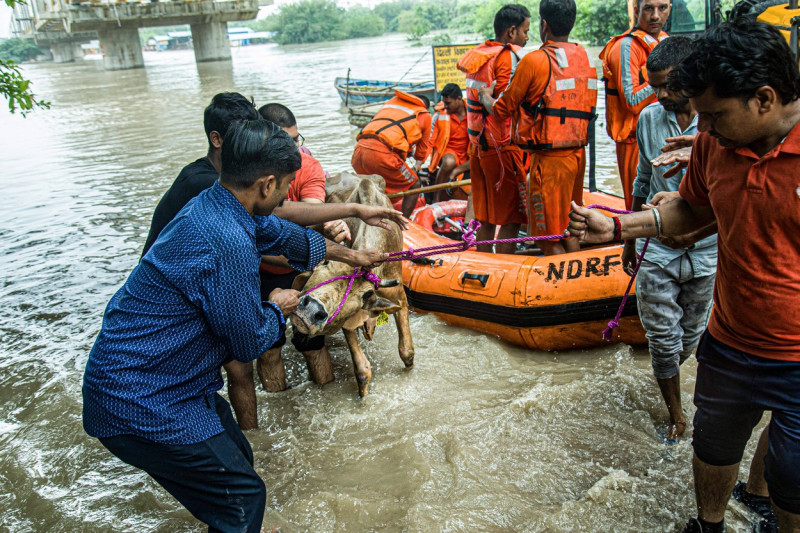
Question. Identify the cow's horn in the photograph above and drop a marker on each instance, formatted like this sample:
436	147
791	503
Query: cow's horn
386	283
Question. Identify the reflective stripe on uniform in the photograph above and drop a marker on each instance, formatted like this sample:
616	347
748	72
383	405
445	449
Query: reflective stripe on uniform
404	109
627	81
476	84
561	58
565	84
592	84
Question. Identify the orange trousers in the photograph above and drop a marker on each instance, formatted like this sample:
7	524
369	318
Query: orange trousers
373	157
627	161
554	182
505	166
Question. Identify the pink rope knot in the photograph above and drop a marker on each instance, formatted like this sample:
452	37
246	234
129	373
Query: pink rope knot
371	277
469	234
609	331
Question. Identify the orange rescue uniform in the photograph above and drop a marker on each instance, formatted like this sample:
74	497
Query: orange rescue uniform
627	94
496	165
384	144
449	136
556	175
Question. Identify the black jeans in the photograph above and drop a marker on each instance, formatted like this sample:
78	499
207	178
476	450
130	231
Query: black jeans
214	479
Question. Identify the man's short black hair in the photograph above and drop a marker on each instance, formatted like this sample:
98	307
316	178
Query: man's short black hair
559	15
669	53
224	109
425	100
255	148
452	90
736	59
508	16
279	114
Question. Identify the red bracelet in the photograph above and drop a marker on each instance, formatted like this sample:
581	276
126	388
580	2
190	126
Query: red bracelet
617	229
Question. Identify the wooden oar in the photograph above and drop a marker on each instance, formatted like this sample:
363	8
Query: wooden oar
430	188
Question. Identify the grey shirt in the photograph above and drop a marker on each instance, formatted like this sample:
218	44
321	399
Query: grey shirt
655	125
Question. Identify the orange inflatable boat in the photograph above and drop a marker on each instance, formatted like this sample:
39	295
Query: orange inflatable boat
560	302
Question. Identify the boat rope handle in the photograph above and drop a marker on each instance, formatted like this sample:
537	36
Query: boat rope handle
470	241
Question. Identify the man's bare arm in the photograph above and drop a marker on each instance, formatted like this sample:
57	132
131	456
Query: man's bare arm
305	214
678	218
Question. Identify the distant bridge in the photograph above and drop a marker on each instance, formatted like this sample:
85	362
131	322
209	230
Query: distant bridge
60	24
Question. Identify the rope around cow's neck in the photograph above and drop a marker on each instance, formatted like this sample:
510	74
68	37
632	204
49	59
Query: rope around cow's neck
469	241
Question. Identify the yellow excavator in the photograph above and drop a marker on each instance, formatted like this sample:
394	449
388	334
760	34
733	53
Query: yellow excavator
692	17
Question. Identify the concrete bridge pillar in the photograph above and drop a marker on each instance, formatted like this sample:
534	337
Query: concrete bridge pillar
211	41
62	52
121	48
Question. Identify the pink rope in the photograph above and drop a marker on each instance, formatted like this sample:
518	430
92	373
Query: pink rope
469	241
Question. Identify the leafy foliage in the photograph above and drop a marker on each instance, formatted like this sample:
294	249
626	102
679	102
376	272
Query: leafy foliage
13	85
16	89
599	20
19	50
363	22
413	24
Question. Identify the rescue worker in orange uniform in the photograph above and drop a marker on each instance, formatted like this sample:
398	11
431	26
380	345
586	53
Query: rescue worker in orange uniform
627	90
402	126
449	139
496	164
551	100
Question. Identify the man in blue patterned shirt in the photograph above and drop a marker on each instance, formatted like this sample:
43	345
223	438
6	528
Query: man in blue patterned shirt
191	305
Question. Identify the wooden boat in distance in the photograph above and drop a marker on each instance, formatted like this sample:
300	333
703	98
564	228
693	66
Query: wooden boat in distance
360	92
560	302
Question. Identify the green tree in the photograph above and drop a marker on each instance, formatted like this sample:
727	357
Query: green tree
413	24
599	20
19	50
390	12
309	21
363	22
14	87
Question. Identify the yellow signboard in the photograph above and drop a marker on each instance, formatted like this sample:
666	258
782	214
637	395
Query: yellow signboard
444	65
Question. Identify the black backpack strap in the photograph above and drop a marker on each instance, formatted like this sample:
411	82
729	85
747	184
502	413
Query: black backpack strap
398	123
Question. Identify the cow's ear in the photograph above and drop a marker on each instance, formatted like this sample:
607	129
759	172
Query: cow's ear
376	305
300	280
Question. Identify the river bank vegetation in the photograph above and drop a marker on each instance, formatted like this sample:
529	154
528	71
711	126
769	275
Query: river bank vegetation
309	21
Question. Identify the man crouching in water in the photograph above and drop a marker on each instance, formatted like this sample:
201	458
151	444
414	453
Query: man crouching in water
192	304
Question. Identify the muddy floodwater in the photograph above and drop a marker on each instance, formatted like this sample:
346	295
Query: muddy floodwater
478	436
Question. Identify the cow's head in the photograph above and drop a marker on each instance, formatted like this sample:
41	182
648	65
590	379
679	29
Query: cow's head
317	307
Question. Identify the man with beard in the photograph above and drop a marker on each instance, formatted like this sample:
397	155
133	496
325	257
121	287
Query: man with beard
673	286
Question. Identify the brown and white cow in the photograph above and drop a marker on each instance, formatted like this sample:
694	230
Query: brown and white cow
364	303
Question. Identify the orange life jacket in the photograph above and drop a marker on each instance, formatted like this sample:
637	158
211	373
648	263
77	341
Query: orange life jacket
478	64
439	143
620	122
396	122
560	119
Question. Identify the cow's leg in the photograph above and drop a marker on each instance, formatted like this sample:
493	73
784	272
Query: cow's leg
360	362
405	344
320	366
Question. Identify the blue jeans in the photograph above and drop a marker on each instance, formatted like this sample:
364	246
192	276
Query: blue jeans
214	479
732	391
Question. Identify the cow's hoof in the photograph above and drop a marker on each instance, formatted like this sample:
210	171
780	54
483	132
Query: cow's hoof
363	384
408	357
